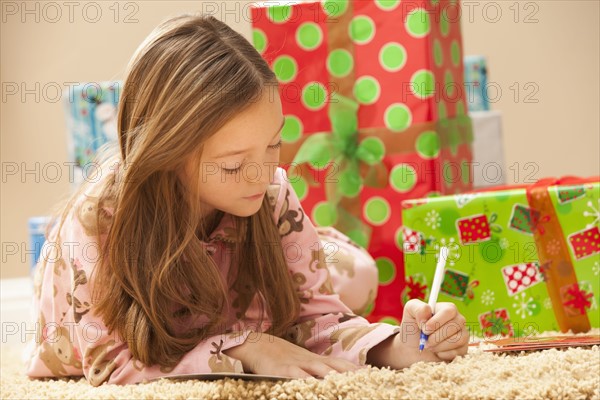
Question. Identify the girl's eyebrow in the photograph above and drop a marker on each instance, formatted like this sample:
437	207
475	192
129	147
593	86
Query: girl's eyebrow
235	152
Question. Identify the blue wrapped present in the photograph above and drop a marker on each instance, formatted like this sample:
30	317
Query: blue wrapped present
476	83
91	114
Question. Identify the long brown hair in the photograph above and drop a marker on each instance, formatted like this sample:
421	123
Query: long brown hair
186	80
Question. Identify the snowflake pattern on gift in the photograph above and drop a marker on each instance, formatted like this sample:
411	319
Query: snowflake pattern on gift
464	198
530	330
488	297
453	250
553	247
547	303
594	214
524	305
596	268
433	219
504	243
587	287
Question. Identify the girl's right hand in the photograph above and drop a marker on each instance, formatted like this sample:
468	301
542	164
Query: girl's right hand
270	355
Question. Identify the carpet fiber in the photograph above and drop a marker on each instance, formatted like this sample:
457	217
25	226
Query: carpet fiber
572	373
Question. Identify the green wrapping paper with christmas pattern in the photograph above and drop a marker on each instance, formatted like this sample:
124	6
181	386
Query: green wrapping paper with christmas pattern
494	273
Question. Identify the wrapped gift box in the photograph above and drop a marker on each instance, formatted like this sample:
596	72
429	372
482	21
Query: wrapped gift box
37	231
91	119
476	83
91	116
373	98
521	260
488	149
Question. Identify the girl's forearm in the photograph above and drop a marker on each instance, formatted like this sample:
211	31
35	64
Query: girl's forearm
379	355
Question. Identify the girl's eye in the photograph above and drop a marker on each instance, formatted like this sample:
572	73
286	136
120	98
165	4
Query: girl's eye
232	170
236	170
276	146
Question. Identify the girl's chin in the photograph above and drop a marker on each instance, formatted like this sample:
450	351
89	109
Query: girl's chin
246	211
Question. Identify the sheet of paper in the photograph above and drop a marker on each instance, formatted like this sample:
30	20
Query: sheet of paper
222	375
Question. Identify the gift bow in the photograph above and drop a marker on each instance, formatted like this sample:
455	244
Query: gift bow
341	146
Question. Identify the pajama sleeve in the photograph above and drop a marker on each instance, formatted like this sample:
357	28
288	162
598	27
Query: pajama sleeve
72	341
326	325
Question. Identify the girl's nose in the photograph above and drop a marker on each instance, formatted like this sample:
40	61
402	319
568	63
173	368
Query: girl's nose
268	170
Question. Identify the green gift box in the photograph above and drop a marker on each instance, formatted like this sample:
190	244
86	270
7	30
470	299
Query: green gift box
521	260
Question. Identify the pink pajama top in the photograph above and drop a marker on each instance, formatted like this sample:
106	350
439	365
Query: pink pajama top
72	341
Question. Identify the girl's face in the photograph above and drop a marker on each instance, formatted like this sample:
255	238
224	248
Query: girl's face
239	161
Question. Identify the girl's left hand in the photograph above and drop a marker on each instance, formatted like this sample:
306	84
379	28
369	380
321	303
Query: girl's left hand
448	336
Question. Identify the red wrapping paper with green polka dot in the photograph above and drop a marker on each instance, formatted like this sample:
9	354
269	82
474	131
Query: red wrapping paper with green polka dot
360	50
406	59
498	274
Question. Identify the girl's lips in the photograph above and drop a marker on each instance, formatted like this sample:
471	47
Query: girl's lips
256	196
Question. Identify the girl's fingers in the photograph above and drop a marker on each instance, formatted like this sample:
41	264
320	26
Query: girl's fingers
419	310
294	371
341	365
317	368
448	355
444	312
458	342
442	334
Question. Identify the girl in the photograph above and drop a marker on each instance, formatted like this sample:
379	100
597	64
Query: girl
189	252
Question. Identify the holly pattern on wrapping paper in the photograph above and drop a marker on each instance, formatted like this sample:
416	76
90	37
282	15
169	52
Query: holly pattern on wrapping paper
496	322
424	244
470	293
575	300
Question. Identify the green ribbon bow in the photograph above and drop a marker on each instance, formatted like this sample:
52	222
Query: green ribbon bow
342	147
